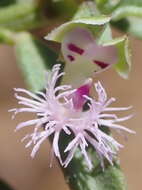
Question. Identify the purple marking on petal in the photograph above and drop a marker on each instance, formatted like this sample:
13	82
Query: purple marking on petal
78	99
76	49
101	64
71	58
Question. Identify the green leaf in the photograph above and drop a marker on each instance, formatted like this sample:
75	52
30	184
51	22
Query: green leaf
126	11
7	36
19	16
34	58
124	62
132	14
86	9
101	2
131	2
86	17
105	35
58	33
126	15
107	6
124	57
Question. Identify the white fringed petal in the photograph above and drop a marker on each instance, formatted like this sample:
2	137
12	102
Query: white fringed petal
64	112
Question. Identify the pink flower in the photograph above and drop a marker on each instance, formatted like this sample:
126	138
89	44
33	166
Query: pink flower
61	109
82	52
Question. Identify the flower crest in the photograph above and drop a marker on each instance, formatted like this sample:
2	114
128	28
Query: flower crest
60	109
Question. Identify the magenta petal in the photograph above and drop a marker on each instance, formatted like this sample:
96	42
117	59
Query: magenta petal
71	58
101	64
78	96
76	49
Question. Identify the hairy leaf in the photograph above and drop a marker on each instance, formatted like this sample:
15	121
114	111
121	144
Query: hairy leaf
19	16
34	58
126	14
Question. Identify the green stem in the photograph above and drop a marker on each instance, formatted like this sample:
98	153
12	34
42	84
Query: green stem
79	177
